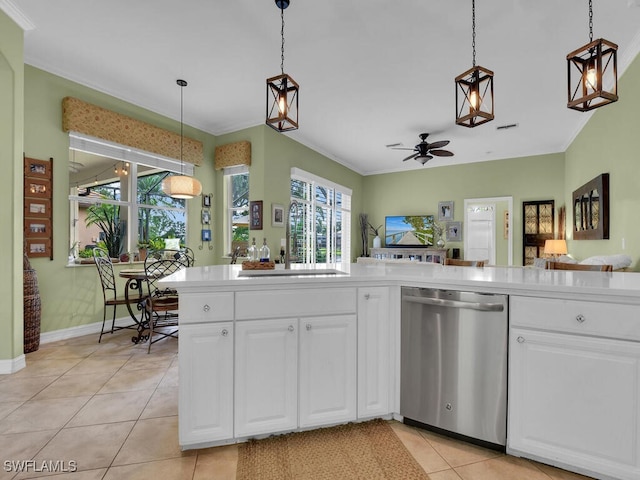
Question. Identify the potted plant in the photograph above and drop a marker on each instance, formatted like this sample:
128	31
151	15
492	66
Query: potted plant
85	255
107	218
143	247
376	237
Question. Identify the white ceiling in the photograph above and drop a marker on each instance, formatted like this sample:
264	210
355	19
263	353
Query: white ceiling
371	72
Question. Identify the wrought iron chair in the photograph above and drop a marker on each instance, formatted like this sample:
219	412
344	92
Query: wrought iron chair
161	303
109	291
185	255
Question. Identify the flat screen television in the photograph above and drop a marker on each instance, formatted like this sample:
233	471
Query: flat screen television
408	231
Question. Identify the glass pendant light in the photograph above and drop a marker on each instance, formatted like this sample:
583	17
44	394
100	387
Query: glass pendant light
474	89
592	73
181	186
282	90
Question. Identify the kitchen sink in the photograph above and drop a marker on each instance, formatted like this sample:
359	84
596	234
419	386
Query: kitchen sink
290	272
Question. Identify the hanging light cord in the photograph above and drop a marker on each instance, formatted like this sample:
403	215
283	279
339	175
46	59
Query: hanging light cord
181	125
282	44
473	30
590	21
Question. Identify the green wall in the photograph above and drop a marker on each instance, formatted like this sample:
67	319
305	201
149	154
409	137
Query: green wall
608	143
418	192
11	126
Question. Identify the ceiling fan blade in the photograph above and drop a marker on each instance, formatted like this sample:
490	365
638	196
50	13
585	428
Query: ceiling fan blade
401	148
439	144
424	159
441	153
410	157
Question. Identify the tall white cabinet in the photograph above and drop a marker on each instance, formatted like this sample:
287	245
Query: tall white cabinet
574	393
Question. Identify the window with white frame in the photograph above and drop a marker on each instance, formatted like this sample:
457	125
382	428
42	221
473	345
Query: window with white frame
321	224
236	189
116	200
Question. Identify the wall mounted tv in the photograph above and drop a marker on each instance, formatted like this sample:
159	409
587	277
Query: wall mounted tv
408	231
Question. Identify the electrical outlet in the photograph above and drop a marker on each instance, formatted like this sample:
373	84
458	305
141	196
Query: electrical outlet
623	243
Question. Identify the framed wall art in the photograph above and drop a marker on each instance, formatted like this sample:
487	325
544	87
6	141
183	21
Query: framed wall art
445	211
454	231
38	218
255	215
277	215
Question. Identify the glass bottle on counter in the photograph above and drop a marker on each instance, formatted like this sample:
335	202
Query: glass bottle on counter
252	251
265	253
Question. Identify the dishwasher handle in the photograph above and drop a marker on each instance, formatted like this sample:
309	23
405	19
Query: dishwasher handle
440	302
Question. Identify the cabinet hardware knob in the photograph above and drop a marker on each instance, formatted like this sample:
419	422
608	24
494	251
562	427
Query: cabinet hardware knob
206	308
225	332
290	328
520	339
580	318
308	327
367	296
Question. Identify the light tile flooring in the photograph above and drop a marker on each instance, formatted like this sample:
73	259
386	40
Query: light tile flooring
112	410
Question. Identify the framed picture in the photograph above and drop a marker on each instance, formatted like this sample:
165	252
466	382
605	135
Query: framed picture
38	248
206	217
206	201
38	227
37	188
37	168
445	211
37	208
277	215
454	231
206	235
255	215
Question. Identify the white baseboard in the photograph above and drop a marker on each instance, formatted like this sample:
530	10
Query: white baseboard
81	330
12	365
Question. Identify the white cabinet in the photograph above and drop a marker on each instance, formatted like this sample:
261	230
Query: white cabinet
206	383
327	375
574	400
374	345
266	377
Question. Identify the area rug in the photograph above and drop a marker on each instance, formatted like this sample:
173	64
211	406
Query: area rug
367	451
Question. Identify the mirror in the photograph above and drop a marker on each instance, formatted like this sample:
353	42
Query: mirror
591	210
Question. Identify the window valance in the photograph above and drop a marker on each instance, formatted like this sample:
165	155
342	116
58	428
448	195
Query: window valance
83	117
232	155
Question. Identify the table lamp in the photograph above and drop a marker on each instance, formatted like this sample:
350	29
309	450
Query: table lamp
555	248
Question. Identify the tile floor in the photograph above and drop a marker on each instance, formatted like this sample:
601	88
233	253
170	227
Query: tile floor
111	409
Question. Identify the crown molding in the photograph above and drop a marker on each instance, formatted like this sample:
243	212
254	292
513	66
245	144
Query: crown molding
10	8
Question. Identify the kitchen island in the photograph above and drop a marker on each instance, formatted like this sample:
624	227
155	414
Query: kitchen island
284	352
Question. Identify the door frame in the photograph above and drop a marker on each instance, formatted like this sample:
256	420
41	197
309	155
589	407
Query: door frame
486	200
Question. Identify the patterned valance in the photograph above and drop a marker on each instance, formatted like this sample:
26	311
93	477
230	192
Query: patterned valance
83	117
232	155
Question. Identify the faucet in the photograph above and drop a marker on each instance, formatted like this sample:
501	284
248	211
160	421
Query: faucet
287	248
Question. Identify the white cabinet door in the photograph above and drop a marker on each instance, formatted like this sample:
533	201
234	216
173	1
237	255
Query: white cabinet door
574	400
327	370
206	383
374	360
266	384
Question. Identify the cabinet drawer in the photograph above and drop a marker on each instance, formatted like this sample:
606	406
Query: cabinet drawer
293	303
206	307
613	320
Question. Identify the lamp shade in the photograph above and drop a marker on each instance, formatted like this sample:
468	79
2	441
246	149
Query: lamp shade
181	186
555	247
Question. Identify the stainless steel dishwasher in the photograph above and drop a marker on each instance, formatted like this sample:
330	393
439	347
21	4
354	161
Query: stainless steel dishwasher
453	363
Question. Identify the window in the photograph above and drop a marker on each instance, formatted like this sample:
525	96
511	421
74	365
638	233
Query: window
236	184
321	228
117	203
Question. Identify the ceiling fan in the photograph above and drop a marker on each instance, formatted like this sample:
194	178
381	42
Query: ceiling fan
425	151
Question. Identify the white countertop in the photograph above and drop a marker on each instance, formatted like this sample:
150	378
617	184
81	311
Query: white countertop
616	286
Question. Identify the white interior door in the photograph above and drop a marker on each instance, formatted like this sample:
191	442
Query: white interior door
479	240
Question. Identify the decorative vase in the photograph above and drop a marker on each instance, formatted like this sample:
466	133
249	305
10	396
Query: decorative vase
440	243
377	243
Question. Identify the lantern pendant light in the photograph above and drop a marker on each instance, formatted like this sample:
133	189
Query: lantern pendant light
474	89
181	186
593	66
282	90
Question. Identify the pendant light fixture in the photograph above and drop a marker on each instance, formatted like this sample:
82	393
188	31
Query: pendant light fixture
590	68
474	89
181	186
282	90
